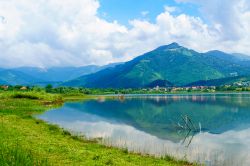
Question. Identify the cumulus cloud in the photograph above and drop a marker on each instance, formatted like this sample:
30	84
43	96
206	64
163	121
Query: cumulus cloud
48	33
53	33
231	20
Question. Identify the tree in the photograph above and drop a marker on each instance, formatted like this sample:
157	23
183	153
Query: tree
48	88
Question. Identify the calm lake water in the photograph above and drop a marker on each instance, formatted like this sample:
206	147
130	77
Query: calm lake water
212	129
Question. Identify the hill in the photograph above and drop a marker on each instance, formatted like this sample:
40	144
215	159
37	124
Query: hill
11	77
222	81
172	64
42	76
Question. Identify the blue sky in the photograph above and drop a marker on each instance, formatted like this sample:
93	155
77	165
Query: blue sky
46	33
125	10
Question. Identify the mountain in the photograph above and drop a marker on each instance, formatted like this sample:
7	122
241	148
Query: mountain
160	83
11	77
57	74
241	57
41	76
172	63
221	81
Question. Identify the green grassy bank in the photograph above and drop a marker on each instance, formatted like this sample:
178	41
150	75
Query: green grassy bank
25	140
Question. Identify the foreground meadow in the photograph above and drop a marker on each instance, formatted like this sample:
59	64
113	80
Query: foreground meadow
25	140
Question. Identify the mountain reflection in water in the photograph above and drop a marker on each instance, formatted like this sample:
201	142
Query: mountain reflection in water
151	124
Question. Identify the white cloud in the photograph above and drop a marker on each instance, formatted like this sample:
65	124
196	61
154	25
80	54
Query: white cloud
144	13
170	9
63	32
68	32
184	29
231	20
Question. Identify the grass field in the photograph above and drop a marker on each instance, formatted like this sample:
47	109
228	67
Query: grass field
25	140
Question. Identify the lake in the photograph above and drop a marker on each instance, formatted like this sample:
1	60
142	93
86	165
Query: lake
213	129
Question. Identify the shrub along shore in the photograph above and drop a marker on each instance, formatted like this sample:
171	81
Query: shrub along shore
25	140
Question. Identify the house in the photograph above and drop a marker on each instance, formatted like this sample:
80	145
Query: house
157	88
195	88
234	74
4	87
23	88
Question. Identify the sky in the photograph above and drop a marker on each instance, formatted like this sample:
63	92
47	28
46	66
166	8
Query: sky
125	10
46	33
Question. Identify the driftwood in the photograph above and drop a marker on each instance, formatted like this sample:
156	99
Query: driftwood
190	128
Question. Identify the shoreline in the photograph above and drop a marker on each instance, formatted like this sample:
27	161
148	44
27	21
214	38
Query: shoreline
174	94
33	134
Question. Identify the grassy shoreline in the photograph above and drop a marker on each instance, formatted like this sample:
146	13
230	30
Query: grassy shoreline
25	140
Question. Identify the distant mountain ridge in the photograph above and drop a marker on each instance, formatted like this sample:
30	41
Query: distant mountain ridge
166	66
172	64
41	76
11	77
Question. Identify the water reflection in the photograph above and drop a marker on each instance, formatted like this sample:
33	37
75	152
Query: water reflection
219	135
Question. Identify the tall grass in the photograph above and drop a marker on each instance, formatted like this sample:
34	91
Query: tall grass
17	156
30	95
25	104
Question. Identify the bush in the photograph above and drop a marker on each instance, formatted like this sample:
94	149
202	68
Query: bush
25	95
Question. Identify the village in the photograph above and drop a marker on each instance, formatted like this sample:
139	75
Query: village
237	87
175	89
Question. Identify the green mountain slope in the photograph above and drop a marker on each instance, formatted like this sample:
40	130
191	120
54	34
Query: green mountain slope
10	77
171	63
39	76
57	74
221	81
